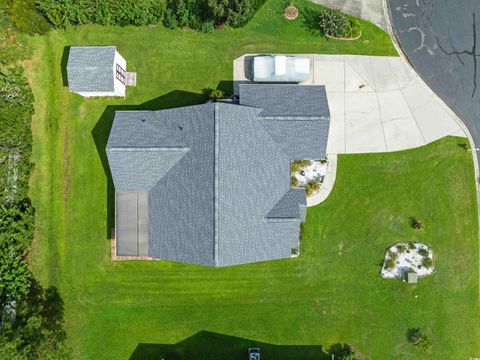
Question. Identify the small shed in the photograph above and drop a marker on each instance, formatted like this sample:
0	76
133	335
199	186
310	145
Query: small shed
96	71
411	277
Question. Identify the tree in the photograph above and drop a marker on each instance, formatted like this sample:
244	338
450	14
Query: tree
234	13
14	273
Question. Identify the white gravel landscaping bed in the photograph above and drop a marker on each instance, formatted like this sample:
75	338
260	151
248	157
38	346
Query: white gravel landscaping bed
315	171
407	257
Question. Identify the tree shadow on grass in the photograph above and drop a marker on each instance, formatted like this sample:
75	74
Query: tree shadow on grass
101	131
209	345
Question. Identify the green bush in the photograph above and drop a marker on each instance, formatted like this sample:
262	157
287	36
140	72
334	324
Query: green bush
62	13
334	23
423	252
427	262
34	327
234	13
401	248
293	181
216	94
412	246
297	165
389	263
392	254
416	337
416	223
204	15
312	187
27	19
342	352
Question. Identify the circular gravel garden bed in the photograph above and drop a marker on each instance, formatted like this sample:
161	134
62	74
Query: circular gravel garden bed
402	259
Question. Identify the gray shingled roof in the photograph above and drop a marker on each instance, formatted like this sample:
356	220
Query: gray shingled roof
288	206
297	117
286	100
90	68
218	180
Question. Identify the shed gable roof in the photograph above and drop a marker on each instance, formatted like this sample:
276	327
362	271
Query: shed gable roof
90	68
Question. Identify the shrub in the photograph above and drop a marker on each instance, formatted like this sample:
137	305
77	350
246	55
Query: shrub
234	13
423	251
389	263
401	248
392	254
27	19
342	352
33	326
103	12
312	187
412	246
207	26
334	23
215	94
416	223
427	262
297	165
204	15
293	181
418	339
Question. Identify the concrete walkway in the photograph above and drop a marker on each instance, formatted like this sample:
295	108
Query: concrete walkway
371	10
327	184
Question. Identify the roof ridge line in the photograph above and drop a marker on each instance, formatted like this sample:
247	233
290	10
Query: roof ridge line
139	148
215	183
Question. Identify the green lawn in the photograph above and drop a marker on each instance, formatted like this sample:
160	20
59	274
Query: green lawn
295	308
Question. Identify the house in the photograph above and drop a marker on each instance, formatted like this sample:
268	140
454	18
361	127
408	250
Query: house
210	184
96	71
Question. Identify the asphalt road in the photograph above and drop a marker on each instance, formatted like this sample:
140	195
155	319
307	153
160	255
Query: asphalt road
442	41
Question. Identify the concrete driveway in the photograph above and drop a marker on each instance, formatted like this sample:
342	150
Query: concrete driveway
377	104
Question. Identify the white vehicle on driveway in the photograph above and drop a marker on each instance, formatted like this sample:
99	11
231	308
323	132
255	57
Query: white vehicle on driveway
280	68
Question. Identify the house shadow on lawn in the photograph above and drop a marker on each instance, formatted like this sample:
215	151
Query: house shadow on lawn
209	345
101	131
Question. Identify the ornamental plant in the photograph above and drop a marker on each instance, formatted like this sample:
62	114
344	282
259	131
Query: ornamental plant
389	263
334	23
427	262
416	337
